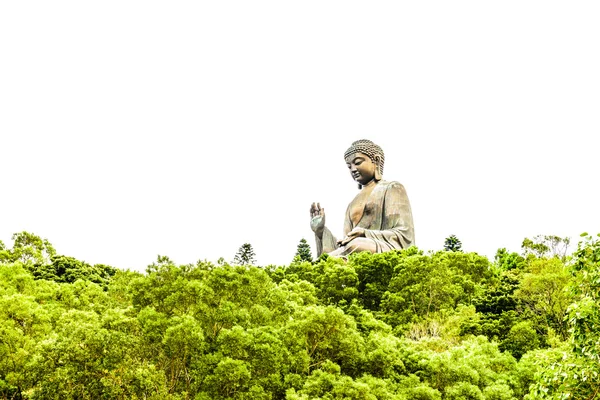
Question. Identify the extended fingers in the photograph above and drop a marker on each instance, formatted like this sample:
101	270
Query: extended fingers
316	210
313	210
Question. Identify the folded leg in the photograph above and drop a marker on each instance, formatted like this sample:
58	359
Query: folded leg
355	246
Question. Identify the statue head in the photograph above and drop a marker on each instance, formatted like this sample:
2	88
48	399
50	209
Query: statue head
372	153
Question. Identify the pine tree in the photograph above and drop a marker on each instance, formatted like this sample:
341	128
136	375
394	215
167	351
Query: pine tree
452	244
245	255
303	251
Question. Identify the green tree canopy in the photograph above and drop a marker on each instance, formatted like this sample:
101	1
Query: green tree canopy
399	325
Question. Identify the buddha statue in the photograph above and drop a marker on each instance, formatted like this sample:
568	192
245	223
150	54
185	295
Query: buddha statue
379	218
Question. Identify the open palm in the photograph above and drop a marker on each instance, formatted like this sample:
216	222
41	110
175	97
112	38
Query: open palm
317	221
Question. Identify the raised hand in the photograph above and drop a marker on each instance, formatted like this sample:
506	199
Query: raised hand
317	219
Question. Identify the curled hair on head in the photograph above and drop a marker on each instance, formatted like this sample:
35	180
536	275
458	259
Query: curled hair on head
369	149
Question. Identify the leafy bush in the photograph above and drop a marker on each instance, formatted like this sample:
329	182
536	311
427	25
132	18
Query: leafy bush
401	325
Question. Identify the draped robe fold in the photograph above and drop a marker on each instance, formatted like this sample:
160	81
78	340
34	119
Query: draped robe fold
387	220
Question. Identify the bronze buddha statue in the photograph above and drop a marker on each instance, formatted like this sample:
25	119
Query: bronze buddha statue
379	218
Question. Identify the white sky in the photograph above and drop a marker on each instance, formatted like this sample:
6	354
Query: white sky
135	128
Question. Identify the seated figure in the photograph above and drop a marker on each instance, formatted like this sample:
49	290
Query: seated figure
378	219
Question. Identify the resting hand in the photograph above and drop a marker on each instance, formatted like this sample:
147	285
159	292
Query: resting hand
353	234
317	221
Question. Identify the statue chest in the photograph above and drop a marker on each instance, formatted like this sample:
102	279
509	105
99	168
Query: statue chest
361	207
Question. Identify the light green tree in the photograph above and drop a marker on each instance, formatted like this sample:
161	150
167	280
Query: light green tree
543	293
27	248
576	374
546	246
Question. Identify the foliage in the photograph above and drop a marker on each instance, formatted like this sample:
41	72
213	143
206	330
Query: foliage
575	374
400	325
39	256
546	246
27	248
423	285
543	295
68	269
245	255
452	243
303	251
505	261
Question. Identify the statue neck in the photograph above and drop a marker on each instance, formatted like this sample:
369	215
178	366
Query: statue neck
370	184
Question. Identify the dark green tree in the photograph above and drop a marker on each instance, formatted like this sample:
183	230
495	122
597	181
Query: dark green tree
303	251
452	244
69	269
245	255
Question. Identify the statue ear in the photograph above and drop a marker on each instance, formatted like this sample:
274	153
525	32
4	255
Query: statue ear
377	174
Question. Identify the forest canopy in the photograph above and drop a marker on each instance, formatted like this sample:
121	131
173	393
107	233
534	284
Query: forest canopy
401	325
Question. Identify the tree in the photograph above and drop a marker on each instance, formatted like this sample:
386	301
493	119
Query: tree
546	246
245	255
303	251
69	269
28	248
506	261
423	285
575	374
452	243
542	294
521	338
375	272
231	332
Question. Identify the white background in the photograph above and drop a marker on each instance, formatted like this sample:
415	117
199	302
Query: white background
135	128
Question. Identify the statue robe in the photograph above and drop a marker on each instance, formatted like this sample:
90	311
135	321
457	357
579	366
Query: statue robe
387	220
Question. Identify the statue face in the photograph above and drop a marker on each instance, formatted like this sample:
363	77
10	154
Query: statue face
361	167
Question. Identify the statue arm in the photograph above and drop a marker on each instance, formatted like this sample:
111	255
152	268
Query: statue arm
397	229
327	243
325	240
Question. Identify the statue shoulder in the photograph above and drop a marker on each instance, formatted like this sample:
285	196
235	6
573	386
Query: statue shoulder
393	188
391	185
